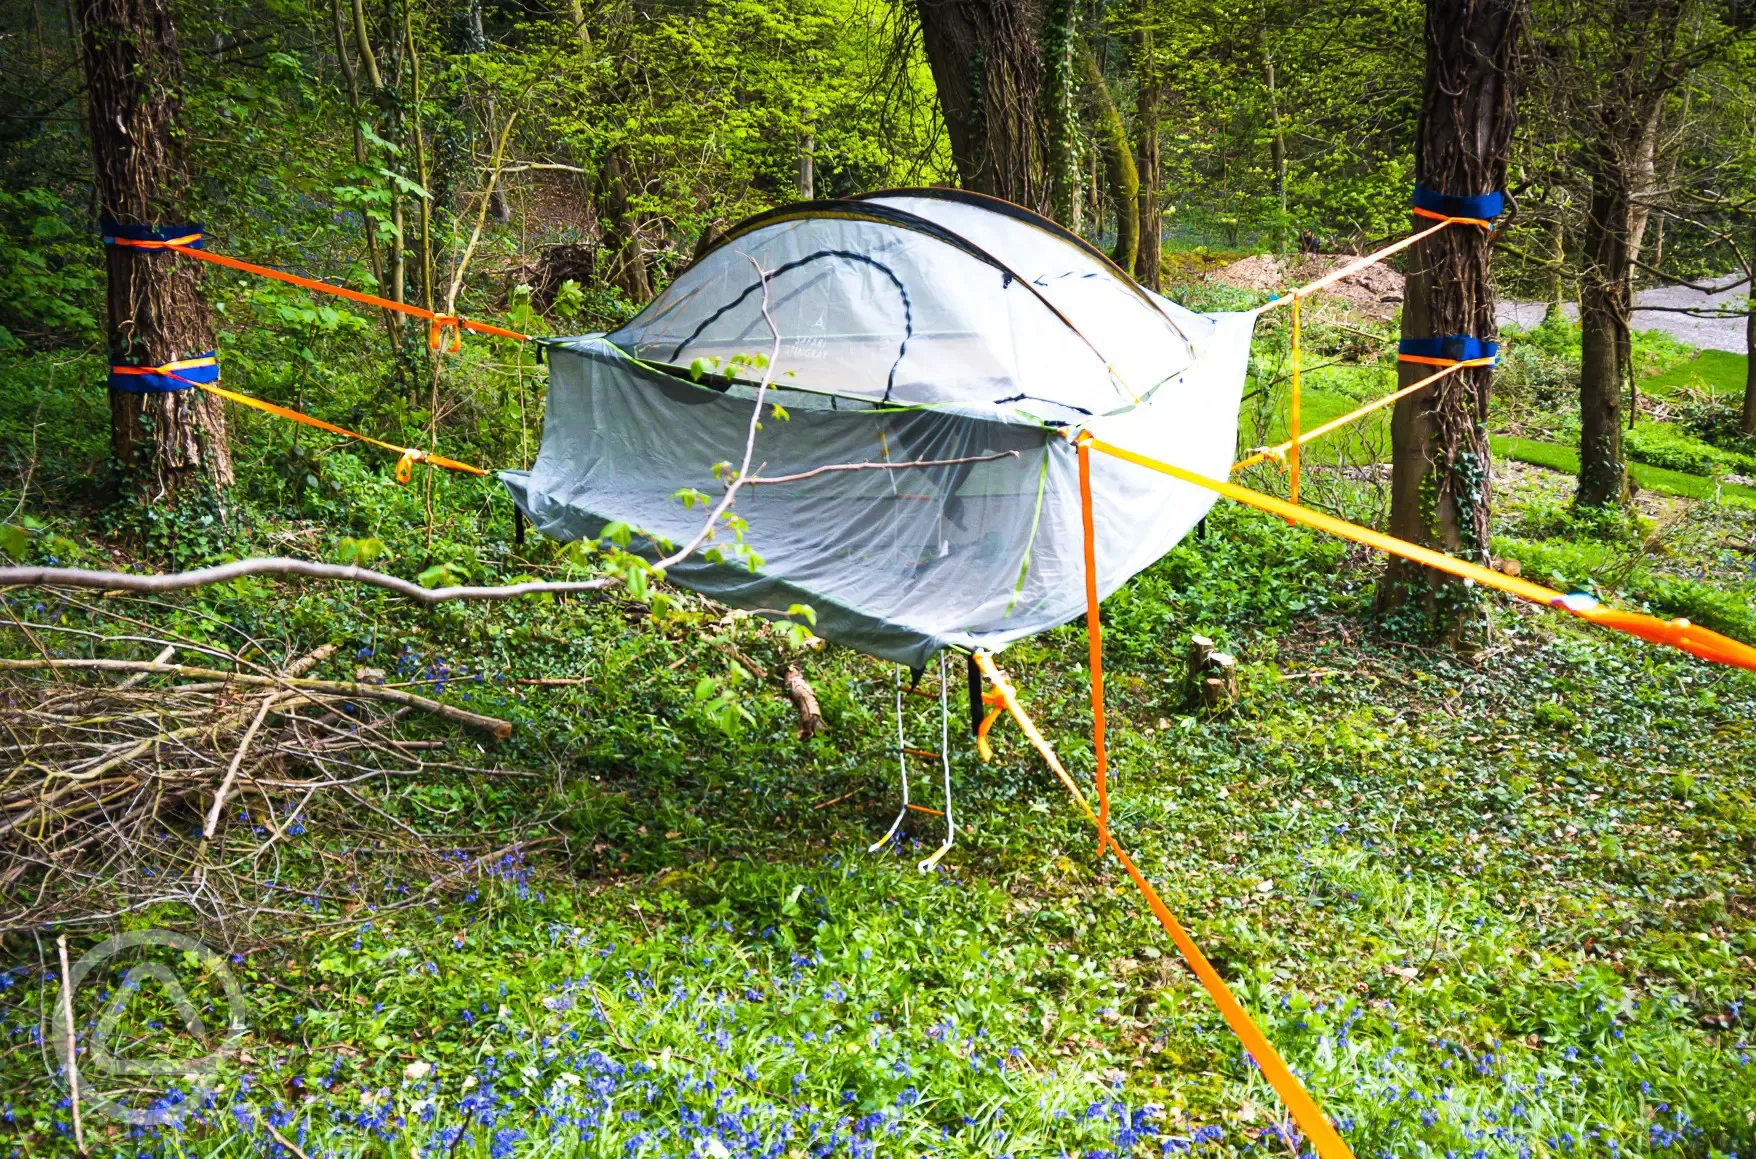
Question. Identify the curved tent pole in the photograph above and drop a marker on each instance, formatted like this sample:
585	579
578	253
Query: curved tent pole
908	318
1029	217
889	215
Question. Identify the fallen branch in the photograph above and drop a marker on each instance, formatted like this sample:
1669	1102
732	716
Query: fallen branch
75	577
499	728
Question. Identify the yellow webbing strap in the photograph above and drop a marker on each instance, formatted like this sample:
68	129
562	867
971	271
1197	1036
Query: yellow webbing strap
1319	1132
1679	633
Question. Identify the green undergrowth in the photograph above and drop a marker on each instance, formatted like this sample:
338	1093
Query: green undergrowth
1498	902
1491	900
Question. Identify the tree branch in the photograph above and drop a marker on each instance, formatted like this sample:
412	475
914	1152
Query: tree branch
74	577
756	480
499	728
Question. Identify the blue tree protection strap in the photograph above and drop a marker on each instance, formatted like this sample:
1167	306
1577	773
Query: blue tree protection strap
183	374
115	233
1452	348
1485	206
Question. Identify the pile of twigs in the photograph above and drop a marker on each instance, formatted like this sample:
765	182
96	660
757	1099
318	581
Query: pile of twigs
174	770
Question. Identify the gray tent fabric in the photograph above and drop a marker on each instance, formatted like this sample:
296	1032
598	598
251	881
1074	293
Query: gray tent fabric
915	327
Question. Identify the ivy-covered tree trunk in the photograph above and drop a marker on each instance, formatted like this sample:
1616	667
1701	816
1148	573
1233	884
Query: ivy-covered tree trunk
1149	215
1119	172
989	75
1060	36
1439	443
165	443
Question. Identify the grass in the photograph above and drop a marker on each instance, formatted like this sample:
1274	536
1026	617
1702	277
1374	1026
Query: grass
1719	372
1660	479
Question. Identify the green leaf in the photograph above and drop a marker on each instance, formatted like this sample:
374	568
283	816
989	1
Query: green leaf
14	541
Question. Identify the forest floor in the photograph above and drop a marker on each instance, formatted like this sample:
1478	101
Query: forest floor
1495	901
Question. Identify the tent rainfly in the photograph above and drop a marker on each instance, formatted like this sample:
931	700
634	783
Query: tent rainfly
916	325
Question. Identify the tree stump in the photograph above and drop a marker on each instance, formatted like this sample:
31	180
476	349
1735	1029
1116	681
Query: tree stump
1213	674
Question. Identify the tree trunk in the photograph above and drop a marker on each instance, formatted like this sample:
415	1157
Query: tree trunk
1440	481
1149	216
1060	83
1749	423
807	176
165	443
622	238
1119	172
1604	304
989	75
1554	283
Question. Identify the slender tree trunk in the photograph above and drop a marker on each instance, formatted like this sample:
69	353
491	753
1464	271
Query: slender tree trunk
165	442
1749	417
989	75
1119	172
1604	306
807	176
622	238
1278	143
1440	469
1555	282
1149	217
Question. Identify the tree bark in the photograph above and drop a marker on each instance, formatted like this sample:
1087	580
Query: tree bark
1604	306
1119	171
1440	480
1149	216
988	72
165	443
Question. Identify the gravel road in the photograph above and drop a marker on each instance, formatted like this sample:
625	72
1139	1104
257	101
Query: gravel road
1709	333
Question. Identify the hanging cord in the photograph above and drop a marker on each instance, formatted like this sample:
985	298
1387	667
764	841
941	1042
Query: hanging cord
902	764
945	763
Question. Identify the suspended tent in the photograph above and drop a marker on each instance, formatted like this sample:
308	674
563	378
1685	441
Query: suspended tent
915	326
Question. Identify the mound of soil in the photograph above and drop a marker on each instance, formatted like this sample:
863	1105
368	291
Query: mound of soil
1375	292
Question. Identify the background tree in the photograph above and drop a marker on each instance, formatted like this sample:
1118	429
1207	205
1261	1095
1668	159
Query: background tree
1440	483
1613	67
989	72
165	442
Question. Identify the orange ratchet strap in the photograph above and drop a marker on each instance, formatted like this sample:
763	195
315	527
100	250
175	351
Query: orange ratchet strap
1318	1130
1094	640
437	324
